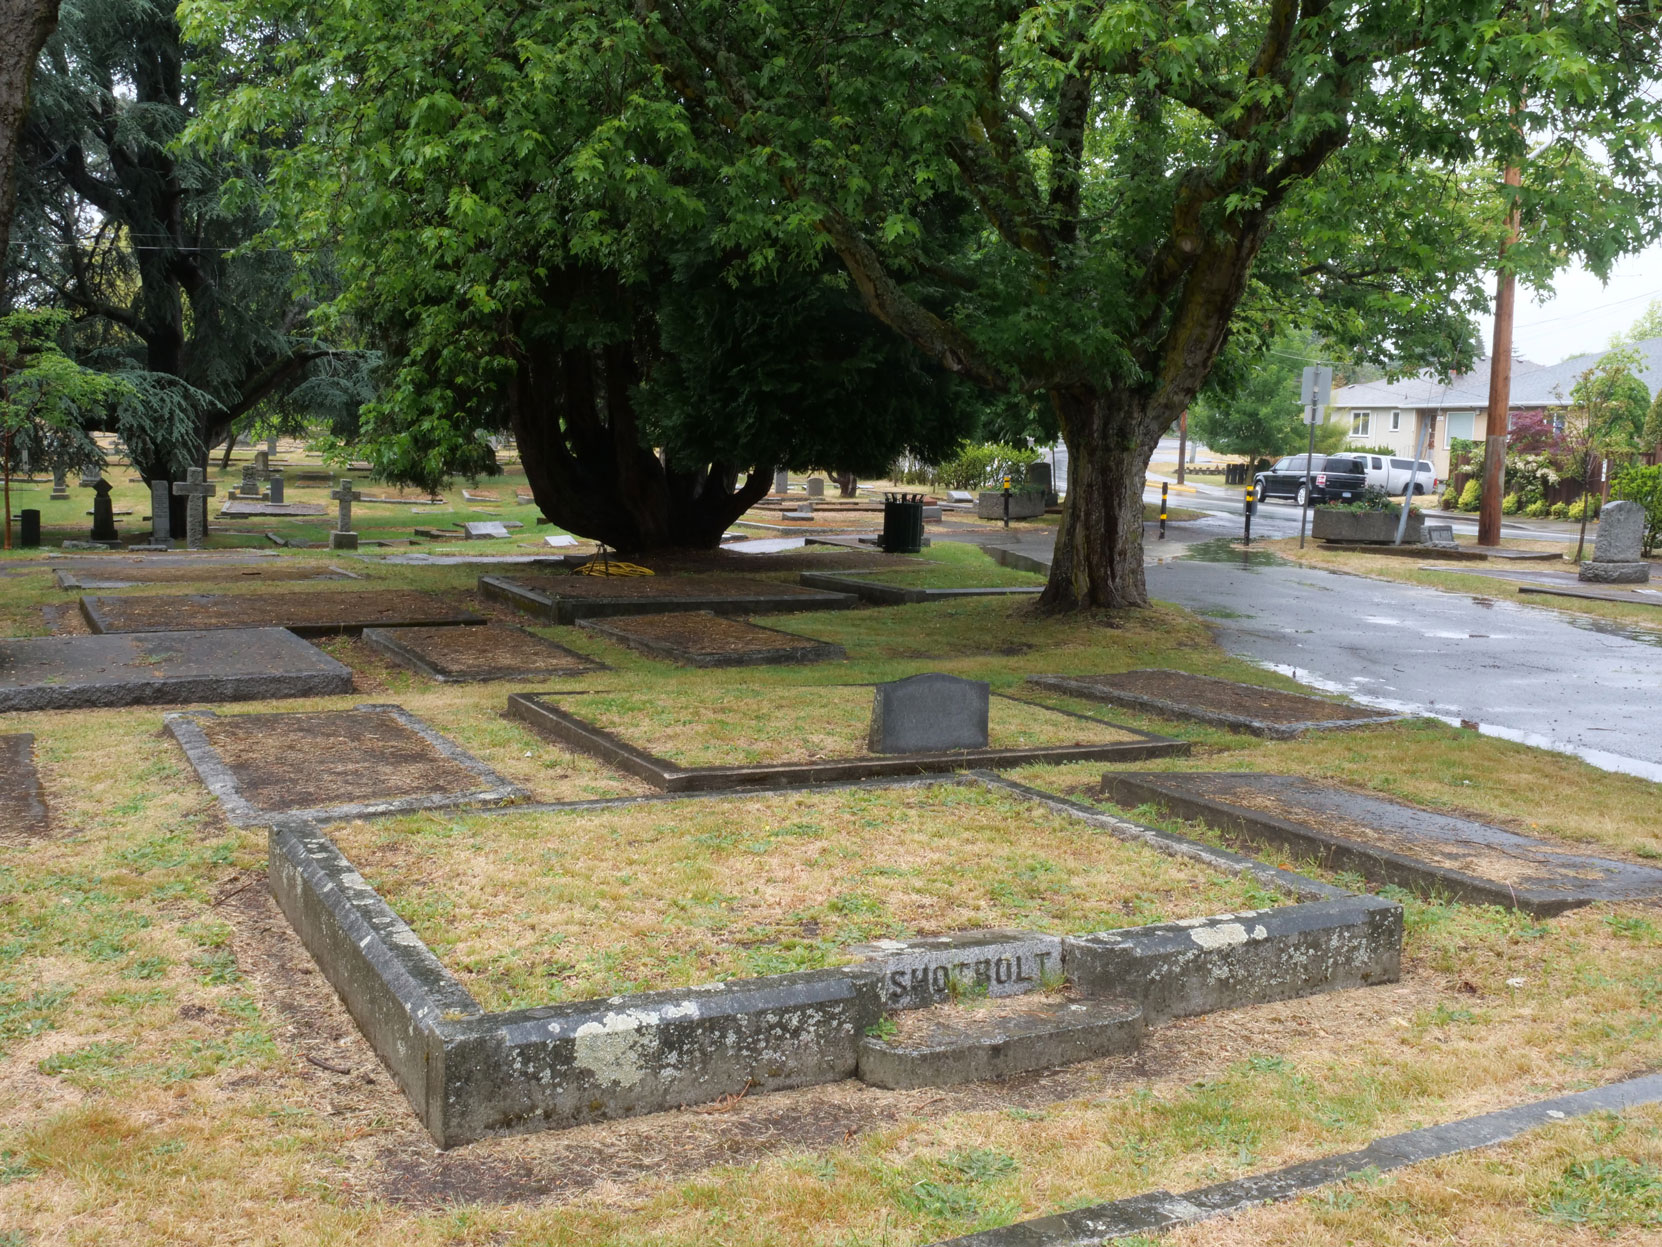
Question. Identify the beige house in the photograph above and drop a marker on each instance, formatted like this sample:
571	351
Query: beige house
1397	413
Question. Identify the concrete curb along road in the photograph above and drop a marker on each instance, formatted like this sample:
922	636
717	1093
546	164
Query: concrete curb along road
1154	1211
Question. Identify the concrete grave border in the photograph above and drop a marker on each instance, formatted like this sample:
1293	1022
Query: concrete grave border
17	755
565	728
883	594
324	677
185	727
1337	852
470	1074
1081	687
782	655
556	609
388	641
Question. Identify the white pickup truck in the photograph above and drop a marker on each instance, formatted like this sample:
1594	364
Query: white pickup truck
1392	475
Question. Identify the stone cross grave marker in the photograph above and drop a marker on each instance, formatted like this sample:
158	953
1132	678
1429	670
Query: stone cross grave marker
60	485
161	520
250	487
276	483
929	713
343	538
103	514
1618	557
197	490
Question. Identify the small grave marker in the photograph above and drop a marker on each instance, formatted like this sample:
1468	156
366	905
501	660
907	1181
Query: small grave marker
262	463
196	490
483	530
930	713
816	487
276	484
250	487
343	538
781	481
60	486
103	515
161	515
1441	536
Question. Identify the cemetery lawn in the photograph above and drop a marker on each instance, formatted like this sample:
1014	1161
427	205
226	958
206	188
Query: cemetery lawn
729	724
533	908
956	565
174	1070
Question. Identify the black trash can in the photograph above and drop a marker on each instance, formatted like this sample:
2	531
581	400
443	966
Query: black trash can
902	523
29	538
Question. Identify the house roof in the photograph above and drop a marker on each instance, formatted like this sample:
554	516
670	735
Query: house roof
1533	385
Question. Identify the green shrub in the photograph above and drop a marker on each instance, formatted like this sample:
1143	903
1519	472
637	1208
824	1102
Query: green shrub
1446	503
983	465
1644	486
1471	497
1559	510
1511	504
1535	510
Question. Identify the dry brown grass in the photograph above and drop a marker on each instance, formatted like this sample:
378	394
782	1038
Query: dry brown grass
530	908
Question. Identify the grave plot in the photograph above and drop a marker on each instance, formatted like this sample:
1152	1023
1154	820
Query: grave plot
566	599
897	592
22	805
705	639
305	614
1222	703
711	738
514	978
493	652
244	508
81	578
332	764
1389	842
164	668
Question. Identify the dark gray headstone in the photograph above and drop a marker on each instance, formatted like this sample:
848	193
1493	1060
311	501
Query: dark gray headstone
161	517
277	485
1039	478
29	538
103	513
929	713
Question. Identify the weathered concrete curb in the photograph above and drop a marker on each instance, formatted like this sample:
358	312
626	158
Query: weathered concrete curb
222	782
28	814
1015	560
392	985
565	728
1203	965
561	610
1043	1038
1161	1210
1072	686
884	594
469	1074
388	641
779	655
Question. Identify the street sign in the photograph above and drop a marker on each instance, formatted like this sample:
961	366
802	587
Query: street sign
1315	388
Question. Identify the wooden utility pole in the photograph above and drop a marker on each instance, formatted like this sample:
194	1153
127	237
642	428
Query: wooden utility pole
1500	380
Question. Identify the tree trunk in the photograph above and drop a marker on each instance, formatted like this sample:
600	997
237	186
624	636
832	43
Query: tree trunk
1098	561
25	26
848	485
591	477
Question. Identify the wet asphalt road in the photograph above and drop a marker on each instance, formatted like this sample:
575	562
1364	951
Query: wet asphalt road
1547	678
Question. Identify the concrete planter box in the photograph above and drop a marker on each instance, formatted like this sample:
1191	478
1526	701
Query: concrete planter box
1025	504
1365	526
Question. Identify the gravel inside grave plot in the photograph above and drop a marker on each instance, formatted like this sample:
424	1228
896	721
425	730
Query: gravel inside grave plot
659	586
210	573
495	650
330	758
739	726
702	632
1228	697
300	612
536	907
